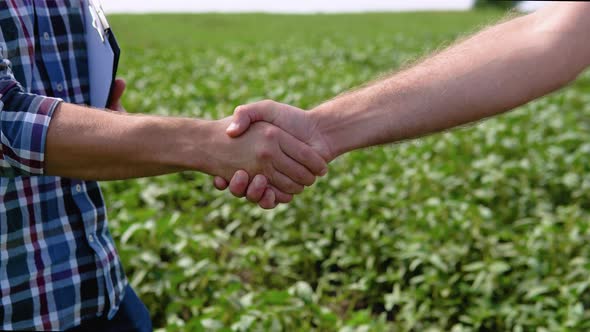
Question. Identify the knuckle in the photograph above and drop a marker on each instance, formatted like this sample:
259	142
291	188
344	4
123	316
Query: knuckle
264	154
266	102
271	133
240	110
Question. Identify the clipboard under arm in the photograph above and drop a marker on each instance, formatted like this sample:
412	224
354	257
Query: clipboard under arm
103	54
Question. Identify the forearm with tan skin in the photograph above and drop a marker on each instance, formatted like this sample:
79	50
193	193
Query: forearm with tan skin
92	144
492	72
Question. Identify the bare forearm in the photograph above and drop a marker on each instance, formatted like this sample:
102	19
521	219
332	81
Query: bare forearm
492	72
91	144
87	143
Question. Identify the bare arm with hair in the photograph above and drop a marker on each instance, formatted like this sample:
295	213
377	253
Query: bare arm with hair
492	72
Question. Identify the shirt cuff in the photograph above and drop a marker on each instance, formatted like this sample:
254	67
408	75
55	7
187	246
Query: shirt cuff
24	122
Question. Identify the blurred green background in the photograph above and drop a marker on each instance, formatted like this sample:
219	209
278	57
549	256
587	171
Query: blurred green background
484	228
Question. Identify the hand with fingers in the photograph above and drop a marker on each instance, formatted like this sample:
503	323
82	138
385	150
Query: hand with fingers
291	119
282	163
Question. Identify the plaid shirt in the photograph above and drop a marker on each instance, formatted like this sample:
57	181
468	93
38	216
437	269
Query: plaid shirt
58	262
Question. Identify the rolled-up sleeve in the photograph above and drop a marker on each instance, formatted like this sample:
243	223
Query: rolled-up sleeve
24	121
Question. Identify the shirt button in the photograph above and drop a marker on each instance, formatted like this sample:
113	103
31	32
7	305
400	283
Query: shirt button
90	238
78	188
46	35
60	87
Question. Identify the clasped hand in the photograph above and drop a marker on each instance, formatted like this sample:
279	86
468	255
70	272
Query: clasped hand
276	143
289	150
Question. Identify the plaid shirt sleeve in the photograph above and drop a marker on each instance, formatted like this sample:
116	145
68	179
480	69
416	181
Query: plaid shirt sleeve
24	121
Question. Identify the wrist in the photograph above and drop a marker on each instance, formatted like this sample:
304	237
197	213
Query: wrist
192	144
328	130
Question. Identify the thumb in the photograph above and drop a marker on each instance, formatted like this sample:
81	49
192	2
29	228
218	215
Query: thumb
245	115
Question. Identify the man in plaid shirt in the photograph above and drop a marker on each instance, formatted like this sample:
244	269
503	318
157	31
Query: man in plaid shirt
59	268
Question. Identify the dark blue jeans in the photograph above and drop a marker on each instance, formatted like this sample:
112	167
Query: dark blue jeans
132	316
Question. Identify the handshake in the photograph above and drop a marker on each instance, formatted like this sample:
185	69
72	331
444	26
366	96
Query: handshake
269	151
281	151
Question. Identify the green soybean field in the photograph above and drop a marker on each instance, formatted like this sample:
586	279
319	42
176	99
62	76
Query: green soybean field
483	228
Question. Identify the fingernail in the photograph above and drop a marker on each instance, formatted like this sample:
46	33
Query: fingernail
233	126
324	172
